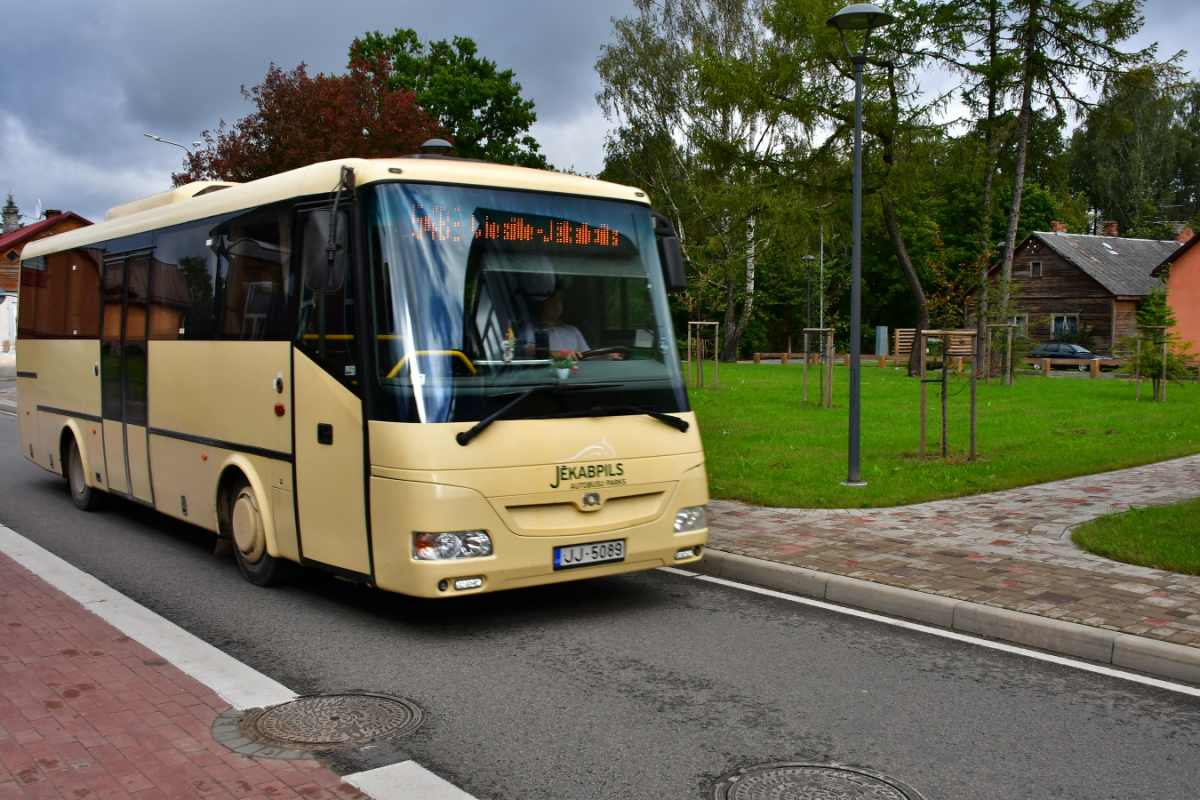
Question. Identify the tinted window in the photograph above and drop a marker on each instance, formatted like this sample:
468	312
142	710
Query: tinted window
183	282
325	329
255	269
33	279
1051	348
82	316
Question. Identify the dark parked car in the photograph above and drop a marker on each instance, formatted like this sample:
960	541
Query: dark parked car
1063	350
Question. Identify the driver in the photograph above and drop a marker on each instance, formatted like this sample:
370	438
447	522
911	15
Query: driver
563	336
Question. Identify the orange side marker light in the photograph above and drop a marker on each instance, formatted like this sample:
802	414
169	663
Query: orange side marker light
204	456
279	409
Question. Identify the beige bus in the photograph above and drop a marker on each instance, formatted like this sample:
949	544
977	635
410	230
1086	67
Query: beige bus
435	376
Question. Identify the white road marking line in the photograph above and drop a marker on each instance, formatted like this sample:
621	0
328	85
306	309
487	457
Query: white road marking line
678	571
9	413
406	780
959	637
238	684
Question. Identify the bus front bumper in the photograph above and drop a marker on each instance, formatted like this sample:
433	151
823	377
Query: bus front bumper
400	508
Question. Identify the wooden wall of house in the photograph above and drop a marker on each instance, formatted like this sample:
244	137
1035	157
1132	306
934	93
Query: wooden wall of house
1126	314
1063	288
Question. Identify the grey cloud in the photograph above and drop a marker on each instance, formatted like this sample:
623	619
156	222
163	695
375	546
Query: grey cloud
83	80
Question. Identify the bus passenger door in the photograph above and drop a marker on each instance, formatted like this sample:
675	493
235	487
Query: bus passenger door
123	378
329	449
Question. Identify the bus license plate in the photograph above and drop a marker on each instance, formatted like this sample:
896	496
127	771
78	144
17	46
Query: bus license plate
583	555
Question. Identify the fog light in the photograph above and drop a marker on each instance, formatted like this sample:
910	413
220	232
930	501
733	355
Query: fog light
467	583
691	519
688	553
451	545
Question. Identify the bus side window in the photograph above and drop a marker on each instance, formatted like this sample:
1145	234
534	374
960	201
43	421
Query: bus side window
33	281
182	286
325	328
256	262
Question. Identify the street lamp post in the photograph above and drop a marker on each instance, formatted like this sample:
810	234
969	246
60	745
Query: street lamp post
808	262
857	17
167	141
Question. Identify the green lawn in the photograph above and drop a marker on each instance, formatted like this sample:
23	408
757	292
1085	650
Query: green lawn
1163	537
763	447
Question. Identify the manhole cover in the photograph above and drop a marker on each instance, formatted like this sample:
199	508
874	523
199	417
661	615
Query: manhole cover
808	782
332	721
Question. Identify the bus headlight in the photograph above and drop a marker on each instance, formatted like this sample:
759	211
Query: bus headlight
452	545
691	519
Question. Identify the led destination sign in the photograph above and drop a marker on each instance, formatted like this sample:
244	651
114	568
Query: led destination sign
452	224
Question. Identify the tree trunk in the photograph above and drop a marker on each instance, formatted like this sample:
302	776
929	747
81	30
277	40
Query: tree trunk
734	335
914	283
1025	120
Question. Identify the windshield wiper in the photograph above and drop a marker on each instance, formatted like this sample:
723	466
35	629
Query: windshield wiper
605	411
464	438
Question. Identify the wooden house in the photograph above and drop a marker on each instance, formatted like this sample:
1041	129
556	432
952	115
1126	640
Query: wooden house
1182	273
1068	281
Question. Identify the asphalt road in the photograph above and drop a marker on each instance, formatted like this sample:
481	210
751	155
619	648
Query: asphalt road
643	686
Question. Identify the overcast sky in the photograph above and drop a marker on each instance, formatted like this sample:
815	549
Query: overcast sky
84	79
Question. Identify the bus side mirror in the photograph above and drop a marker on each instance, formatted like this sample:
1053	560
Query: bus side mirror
325	255
671	258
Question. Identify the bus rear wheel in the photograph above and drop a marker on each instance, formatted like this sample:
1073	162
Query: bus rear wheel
250	538
84	496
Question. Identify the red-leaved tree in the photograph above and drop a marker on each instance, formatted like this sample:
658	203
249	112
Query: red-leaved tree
301	120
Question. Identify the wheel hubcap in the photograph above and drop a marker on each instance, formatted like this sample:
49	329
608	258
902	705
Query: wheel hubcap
247	527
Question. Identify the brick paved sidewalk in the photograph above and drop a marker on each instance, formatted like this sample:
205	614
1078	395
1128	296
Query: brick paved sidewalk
88	714
1010	549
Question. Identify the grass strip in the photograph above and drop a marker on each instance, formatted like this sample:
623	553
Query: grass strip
1162	537
764	447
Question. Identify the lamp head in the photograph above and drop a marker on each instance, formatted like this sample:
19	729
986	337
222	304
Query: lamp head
437	146
860	17
809	258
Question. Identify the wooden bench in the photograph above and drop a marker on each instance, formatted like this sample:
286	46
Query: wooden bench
1044	364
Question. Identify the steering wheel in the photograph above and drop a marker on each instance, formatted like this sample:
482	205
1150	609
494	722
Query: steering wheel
601	352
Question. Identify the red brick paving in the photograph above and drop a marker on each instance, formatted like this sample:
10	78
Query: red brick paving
88	714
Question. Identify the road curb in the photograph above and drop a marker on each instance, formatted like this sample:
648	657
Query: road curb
1163	659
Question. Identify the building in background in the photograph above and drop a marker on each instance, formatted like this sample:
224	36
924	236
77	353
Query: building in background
1182	271
13	238
1067	282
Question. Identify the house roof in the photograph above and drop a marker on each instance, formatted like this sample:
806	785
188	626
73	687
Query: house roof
22	235
1122	266
1175	256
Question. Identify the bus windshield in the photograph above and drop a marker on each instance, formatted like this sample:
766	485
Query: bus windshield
478	294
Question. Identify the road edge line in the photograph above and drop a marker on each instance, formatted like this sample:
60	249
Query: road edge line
1164	659
405	780
238	684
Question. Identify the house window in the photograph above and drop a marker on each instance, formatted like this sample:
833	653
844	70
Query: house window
1022	323
1064	325
12	256
1035	269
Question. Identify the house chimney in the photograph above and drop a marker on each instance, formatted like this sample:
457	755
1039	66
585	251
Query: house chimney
1058	227
12	217
1184	234
52	212
1110	228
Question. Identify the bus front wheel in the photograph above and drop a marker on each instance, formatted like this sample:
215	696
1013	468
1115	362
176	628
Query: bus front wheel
86	497
250	538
